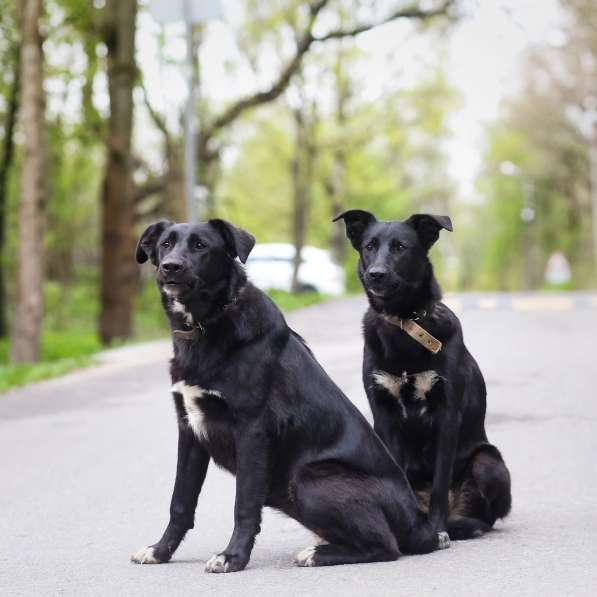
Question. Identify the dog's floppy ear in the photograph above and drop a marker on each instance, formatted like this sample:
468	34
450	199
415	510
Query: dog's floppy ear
238	241
147	245
356	221
428	227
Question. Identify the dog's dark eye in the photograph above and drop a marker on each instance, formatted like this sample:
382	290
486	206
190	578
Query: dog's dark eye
166	244
199	245
369	246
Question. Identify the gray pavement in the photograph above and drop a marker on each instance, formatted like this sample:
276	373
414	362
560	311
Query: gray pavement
87	463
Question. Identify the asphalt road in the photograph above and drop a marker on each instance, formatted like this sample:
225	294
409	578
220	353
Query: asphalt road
87	463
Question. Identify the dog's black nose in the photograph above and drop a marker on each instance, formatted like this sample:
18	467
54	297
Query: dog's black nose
377	273
172	267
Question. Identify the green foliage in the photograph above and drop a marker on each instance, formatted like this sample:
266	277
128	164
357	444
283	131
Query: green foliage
537	158
394	160
258	185
288	302
394	164
150	319
69	340
19	375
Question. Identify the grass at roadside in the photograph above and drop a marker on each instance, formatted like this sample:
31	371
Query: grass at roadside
61	351
288	302
67	347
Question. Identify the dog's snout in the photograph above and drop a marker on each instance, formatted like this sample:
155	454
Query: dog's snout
172	267
377	273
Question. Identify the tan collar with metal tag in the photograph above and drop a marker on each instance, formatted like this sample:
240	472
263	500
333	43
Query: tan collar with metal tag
416	332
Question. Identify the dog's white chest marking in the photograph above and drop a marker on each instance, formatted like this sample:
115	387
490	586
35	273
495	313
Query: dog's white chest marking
416	386
178	307
191	398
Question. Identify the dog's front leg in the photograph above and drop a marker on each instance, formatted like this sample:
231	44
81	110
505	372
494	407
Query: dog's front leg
379	402
385	427
252	479
191	469
445	452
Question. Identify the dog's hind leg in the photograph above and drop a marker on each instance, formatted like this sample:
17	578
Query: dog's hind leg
347	512
191	469
330	554
483	497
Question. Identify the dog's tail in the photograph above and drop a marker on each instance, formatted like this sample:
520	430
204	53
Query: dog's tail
492	477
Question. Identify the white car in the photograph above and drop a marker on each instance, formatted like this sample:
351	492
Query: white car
270	267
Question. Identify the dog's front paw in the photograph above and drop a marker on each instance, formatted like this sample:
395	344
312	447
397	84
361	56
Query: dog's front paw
443	540
221	562
305	557
146	555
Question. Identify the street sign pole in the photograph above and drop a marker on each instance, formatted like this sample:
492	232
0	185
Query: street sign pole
190	122
190	12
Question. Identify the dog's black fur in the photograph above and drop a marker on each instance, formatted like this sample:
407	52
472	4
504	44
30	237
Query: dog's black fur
250	395
429	409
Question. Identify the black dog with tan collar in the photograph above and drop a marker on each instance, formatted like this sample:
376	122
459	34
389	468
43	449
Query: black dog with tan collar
426	391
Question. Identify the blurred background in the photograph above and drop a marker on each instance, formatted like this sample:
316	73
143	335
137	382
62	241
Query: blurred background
483	110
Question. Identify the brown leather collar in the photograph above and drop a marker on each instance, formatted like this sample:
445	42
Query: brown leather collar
192	331
416	332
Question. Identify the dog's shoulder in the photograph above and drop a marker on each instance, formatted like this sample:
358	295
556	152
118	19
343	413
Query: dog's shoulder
445	322
254	315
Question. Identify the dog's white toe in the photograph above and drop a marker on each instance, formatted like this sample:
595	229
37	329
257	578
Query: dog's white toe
146	555
443	540
305	557
217	563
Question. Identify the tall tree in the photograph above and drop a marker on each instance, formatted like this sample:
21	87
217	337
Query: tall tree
392	163
336	184
305	20
118	271
10	62
302	171
540	170
25	342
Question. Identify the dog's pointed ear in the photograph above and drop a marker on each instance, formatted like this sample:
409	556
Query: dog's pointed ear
147	245
428	227
239	242
356	221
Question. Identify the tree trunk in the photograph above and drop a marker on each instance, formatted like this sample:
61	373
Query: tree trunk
209	174
337	184
5	164
303	164
174	192
593	189
29	307
118	270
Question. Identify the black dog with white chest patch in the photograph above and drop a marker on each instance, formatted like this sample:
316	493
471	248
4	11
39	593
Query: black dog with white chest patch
426	391
250	395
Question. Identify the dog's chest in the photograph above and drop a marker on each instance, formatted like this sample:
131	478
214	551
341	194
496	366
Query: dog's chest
415	395
207	414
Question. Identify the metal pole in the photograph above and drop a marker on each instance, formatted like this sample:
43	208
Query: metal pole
190	129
